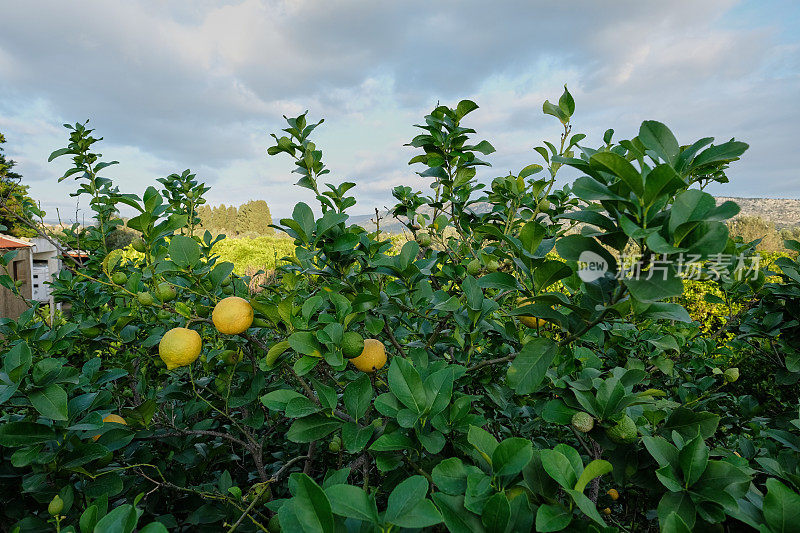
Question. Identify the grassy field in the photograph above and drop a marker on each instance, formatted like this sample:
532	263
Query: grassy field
249	255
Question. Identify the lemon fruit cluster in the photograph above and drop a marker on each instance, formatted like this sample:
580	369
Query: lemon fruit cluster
179	347
372	358
232	315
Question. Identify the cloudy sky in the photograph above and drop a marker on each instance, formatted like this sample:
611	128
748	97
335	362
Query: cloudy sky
200	84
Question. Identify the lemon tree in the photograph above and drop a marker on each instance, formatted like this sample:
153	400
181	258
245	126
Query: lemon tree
471	379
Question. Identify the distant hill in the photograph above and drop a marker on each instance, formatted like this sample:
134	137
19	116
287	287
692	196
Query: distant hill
783	212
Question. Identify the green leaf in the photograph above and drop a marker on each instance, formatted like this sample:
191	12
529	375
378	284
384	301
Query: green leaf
13	434
549	272
391	442
450	476
531	236
358	396
528	368
439	390
456	517
511	456
688	423
693	459
590	189
724	152
549	108
355	437
674	524
620	167
473	293
586	505
464	107
690	206
662	451
496	513
663	283
552	517
662	180
498	280
559	467
51	402
405	496
352	502
406	384
276	400
594	469
154	527
311	506
679	503
304	217
120	520
305	343
312	428
781	508
483	441
184	251
657	138
566	103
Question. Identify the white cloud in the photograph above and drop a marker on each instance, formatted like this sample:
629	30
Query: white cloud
173	85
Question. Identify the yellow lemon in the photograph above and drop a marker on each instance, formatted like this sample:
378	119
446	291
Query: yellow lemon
372	358
530	321
233	315
613	493
112	418
179	347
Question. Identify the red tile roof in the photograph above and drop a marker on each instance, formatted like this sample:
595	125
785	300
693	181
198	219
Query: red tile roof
7	241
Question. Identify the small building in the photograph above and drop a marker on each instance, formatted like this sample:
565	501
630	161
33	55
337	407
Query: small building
36	263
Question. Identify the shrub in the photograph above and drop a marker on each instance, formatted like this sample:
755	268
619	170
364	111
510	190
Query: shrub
455	416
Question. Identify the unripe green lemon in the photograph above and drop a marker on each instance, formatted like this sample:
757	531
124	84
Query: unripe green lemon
492	266
119	278
424	239
474	267
731	374
226	282
138	245
544	204
56	505
227	290
334	446
352	344
377	423
145	298
163	314
230	357
582	422
624	432
166	292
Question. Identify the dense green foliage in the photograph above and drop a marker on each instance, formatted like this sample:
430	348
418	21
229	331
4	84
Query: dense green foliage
614	411
12	197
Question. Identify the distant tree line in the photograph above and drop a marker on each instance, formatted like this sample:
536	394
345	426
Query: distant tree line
251	219
10	190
